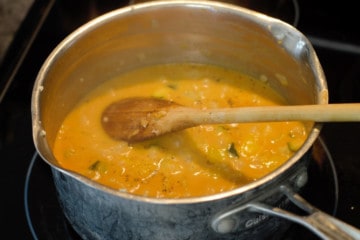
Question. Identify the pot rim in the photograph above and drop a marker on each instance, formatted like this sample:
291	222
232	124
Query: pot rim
39	132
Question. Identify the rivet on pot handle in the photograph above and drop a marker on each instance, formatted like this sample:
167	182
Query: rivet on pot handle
320	223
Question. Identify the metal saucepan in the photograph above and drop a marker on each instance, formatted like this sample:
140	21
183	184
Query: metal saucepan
171	32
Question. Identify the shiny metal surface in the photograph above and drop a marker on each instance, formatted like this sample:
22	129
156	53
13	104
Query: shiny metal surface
151	33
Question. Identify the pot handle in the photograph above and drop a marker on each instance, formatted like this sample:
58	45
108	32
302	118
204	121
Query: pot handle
320	223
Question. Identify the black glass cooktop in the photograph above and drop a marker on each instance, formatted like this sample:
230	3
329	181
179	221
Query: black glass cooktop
29	208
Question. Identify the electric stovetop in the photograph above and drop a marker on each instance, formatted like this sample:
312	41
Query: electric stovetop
29	207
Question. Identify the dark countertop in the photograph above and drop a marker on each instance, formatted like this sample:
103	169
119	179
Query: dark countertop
12	14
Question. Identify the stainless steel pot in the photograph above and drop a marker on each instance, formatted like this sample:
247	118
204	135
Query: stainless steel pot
169	32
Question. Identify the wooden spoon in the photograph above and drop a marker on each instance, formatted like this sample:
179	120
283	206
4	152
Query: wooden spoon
141	118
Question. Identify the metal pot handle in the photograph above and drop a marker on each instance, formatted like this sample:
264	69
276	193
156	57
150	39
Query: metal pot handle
320	223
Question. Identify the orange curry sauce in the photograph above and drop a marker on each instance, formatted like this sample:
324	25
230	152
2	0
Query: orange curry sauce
198	161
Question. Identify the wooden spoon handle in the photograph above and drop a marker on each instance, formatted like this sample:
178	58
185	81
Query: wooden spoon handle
343	112
138	119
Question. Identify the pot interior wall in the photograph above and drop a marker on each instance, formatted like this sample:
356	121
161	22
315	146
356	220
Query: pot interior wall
139	36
